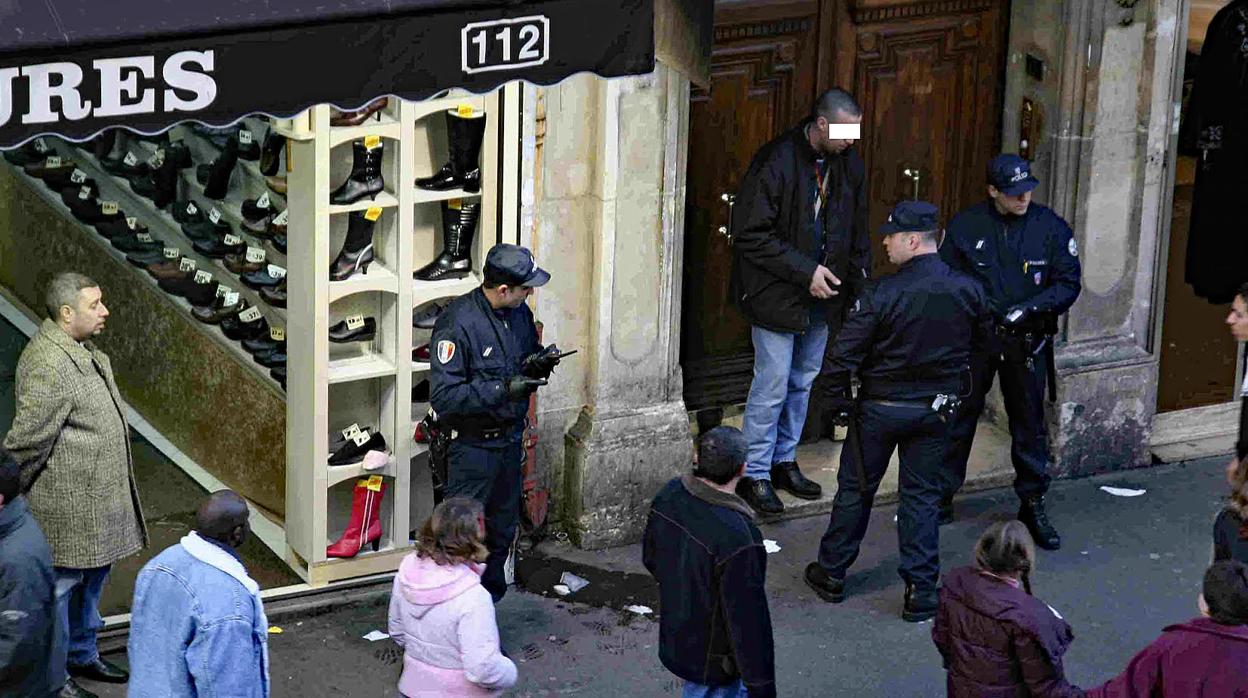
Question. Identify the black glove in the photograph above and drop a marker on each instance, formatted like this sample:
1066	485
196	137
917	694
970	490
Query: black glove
540	363
839	401
1017	315
521	387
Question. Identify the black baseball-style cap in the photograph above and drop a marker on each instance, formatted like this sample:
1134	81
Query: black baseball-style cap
912	217
514	265
1011	175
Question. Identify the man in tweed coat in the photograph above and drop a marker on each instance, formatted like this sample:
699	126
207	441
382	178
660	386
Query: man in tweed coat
71	437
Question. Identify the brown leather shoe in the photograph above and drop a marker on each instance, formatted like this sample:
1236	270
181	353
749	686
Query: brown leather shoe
359	116
277	184
238	264
218	312
166	269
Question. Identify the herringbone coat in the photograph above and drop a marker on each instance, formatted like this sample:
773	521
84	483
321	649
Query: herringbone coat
70	413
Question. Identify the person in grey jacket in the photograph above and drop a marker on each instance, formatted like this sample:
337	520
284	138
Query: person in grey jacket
27	601
71	437
197	626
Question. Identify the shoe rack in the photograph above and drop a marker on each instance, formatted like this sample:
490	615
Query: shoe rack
331	386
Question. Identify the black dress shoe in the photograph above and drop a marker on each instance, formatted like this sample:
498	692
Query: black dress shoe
187	212
786	476
205	230
1031	512
145	258
352	452
239	330
73	690
341	334
425	317
137	242
260	279
275	295
100	670
828	588
273	359
919	605
760	496
217	248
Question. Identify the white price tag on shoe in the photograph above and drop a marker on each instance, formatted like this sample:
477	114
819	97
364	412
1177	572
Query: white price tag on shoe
191	208
172	253
214	215
232	240
223	290
109	208
41	146
52	161
355	322
255	255
245	137
351	431
84	193
203	277
144	237
157	159
230	300
77	176
360	439
187	264
277	272
282	217
132	223
130	159
263	201
250	315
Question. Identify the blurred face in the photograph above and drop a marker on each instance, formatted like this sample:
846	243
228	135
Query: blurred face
900	247
1012	205
1237	320
513	296
86	318
822	139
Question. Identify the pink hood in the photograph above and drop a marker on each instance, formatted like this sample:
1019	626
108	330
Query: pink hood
426	584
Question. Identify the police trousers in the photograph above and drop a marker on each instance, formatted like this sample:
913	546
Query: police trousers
1022	387
491	475
922	439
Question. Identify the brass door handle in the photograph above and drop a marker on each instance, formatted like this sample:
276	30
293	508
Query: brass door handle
914	174
726	230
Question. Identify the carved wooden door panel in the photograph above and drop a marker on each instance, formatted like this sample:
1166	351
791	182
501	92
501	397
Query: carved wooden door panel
929	77
763	75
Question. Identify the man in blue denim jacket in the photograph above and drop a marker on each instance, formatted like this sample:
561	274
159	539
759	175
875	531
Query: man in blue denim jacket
197	626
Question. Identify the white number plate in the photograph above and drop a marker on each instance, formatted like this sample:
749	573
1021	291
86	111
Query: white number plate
505	44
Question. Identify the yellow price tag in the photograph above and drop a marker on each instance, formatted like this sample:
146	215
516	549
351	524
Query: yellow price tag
373	483
371	142
455	204
373	213
464	110
277	334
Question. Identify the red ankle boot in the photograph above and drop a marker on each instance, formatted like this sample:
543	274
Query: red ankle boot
365	525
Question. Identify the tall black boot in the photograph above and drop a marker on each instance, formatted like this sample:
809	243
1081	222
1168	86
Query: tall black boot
1031	512
463	170
161	184
102	145
459	226
365	178
357	250
216	177
271	153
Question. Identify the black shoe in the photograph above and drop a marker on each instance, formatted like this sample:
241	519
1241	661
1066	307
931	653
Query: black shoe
275	295
759	495
249	150
352	452
217	248
341	334
275	358
35	151
139	241
186	212
424	317
260	279
240	330
919	605
100	670
459	226
128	167
145	258
257	214
1031	512
202	295
946	511
357	249
786	476
271	153
73	690
205	230
365	178
279	375
462	171
420	391
215	177
279	242
828	588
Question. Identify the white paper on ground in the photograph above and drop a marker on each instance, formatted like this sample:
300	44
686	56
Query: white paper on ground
573	582
562	589
639	610
1122	491
376	635
771	546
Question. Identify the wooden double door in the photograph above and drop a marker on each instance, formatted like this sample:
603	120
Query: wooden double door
929	77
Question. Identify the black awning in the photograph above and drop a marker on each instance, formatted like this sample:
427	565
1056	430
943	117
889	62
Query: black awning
75	68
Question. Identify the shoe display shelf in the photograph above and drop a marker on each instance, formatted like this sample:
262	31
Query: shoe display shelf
162	226
331	386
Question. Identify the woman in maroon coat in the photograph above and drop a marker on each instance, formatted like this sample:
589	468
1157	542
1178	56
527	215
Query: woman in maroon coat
997	640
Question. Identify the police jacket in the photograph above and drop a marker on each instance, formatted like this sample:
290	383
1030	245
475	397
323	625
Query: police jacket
1030	260
475	351
775	246
911	335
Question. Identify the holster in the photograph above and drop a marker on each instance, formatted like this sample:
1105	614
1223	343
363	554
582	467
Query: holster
439	456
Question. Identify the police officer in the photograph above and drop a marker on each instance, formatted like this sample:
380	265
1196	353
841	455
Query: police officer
1026	259
909	339
486	363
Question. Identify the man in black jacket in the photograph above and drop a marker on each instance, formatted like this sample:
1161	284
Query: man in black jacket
801	254
702	546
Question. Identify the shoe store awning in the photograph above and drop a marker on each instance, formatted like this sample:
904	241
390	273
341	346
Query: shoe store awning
73	68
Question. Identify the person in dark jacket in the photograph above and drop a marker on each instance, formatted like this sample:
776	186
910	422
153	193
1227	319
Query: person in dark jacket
801	253
996	639
909	340
28	637
707	555
1230	528
1026	258
1203	658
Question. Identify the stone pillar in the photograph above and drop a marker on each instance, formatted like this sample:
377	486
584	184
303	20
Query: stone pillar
609	221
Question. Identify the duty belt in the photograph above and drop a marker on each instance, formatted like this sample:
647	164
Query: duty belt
479	434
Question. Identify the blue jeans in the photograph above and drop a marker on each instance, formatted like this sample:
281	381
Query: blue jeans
785	366
78	605
697	690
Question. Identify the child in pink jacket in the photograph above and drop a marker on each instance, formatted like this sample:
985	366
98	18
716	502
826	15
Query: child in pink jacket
441	615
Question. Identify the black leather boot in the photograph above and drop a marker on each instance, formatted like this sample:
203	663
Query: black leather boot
828	588
161	185
103	144
462	170
1031	512
786	476
365	178
357	250
919	605
271	153
459	226
759	495
249	150
216	177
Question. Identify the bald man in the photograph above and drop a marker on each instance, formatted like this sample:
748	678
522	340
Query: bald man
197	626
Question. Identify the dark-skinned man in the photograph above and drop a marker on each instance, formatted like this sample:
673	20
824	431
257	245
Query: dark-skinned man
1027	261
909	340
486	362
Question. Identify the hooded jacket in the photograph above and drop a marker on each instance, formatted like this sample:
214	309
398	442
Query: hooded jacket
444	620
998	641
1196	659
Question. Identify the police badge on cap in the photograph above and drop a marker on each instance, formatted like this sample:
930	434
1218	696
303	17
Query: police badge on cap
1011	175
514	265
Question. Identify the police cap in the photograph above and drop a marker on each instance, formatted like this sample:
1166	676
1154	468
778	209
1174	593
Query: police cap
513	265
1011	175
911	217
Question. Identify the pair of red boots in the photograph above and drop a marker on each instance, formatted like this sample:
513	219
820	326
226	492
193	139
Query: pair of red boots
365	525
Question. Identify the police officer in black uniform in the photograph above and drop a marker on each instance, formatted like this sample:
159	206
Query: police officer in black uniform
909	339
486	363
1026	258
